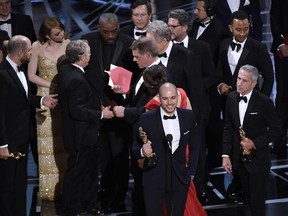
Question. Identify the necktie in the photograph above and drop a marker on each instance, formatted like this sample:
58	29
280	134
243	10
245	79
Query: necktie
140	34
163	55
165	117
236	46
6	21
244	98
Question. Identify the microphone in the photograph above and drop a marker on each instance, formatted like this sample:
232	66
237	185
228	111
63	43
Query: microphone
169	139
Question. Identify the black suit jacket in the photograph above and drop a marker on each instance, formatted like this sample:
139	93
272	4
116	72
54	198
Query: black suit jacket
122	57
261	124
254	53
224	14
80	109
22	25
279	22
15	124
151	123
128	30
184	71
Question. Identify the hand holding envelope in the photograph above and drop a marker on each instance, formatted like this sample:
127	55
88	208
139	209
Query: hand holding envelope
120	79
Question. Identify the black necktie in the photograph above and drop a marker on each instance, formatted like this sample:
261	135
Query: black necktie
165	117
140	34
163	55
6	21
244	98
236	46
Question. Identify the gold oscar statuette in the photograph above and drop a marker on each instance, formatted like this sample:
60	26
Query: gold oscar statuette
17	155
152	157
247	155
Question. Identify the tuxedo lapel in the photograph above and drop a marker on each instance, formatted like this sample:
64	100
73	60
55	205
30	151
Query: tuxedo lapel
236	108
245	52
250	108
17	81
160	125
172	58
117	52
99	55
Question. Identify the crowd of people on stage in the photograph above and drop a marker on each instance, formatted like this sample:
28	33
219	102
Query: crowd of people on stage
198	99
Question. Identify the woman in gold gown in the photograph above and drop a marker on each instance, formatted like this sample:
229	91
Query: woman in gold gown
42	68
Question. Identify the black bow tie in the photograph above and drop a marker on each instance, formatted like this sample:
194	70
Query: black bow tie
165	117
244	98
20	68
140	34
236	46
163	55
181	44
6	21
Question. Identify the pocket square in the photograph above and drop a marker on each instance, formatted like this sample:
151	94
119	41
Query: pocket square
254	113
186	132
247	2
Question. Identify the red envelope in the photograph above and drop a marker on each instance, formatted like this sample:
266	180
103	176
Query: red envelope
122	77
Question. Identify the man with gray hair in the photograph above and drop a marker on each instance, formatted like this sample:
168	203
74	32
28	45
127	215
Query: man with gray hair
251	123
81	118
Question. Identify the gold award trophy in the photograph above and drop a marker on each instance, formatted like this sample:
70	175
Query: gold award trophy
152	157
247	155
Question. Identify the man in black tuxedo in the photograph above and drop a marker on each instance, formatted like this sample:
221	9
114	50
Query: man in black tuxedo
109	46
279	28
81	117
225	8
145	54
169	132
141	14
206	27
15	125
255	114
20	24
179	22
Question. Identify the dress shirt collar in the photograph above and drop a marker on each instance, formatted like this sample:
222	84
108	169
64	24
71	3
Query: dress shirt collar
155	62
248	96
184	41
12	63
79	67
242	44
162	113
168	49
9	17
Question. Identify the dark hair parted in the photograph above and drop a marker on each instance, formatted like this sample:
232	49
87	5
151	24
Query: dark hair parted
154	77
240	15
47	25
138	3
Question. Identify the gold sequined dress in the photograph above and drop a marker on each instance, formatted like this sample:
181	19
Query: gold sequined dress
51	153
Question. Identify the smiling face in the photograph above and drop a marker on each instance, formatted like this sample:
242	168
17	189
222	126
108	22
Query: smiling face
168	98
5	8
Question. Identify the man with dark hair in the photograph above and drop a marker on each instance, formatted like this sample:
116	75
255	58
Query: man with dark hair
141	14
251	123
279	28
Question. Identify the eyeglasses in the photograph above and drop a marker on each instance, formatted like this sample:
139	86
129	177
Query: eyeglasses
139	15
173	26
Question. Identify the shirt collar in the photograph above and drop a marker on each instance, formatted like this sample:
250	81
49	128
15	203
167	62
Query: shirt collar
248	96
12	63
184	41
162	112
79	67
9	17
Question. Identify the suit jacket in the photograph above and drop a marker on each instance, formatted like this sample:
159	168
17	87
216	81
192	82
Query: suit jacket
213	35
15	123
22	25
254	53
80	108
224	14
128	30
151	123
261	124
184	71
122	56
279	22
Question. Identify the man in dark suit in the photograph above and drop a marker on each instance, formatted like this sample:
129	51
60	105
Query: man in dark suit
225	8
207	27
81	116
15	125
169	131
279	28
251	123
145	54
15	24
141	14
109	46
179	22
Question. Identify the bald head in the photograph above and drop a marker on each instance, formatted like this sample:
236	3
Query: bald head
19	49
168	97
